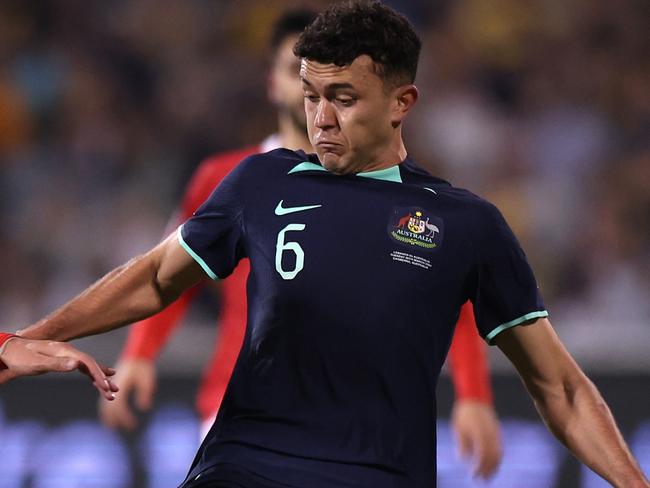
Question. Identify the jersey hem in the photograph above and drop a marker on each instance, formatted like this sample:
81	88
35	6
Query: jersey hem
195	256
513	323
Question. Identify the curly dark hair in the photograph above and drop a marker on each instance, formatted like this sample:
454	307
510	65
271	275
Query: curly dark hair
353	28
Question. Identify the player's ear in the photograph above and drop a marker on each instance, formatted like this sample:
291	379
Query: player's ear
404	97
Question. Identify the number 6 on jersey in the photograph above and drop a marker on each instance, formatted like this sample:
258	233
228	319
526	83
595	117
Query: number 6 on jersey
282	246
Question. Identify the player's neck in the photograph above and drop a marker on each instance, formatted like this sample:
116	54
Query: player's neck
393	154
292	136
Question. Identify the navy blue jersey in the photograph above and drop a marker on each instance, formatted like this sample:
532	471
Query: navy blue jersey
355	287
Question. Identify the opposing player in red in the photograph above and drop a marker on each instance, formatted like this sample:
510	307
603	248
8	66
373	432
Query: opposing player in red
473	415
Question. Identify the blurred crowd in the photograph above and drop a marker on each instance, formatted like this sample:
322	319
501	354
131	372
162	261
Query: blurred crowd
541	106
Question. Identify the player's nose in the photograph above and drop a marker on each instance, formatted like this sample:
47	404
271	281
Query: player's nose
325	115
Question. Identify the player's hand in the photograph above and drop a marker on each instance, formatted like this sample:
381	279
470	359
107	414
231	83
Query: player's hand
135	377
28	357
478	436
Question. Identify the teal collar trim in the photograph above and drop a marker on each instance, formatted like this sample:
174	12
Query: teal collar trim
307	166
388	174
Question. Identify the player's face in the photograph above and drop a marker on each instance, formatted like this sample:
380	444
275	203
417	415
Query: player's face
285	90
350	114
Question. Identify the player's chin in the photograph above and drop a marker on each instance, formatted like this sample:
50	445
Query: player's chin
332	161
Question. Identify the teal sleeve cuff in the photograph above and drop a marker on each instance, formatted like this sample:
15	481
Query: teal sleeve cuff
513	323
195	256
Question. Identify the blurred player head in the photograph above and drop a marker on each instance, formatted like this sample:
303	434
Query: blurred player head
285	91
359	61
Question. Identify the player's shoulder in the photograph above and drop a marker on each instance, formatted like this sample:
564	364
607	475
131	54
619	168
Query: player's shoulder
462	198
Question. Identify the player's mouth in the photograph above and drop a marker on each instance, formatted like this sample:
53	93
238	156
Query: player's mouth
328	145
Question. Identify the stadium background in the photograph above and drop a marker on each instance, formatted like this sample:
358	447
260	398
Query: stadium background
541	106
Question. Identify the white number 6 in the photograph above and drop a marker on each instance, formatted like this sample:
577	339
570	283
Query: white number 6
282	246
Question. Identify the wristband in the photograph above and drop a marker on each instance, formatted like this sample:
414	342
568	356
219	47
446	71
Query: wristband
4	338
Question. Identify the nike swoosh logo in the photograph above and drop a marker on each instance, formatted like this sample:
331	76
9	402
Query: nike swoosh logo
280	210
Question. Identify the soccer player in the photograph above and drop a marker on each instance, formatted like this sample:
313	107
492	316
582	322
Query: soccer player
473	415
360	262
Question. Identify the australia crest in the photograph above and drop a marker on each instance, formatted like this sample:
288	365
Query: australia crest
416	227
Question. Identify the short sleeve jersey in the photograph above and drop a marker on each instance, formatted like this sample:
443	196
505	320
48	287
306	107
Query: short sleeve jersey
355	287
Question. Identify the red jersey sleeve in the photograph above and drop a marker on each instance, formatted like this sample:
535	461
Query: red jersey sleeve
4	337
468	360
147	337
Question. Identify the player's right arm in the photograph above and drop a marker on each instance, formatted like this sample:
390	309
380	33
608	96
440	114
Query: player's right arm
148	337
136	290
131	292
136	369
210	243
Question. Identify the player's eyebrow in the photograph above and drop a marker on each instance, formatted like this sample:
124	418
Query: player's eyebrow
339	86
332	86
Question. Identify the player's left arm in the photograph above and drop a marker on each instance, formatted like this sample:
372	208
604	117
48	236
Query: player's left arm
569	402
